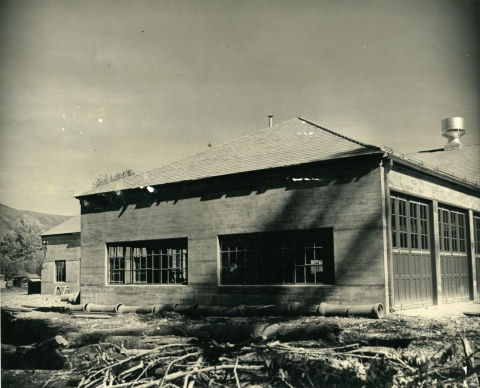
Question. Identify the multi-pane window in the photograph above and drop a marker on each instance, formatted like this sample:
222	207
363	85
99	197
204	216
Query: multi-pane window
409	221
443	216
476	226
393	221
462	233
116	264
275	258
452	231
148	262
402	222
424	225
413	225
60	271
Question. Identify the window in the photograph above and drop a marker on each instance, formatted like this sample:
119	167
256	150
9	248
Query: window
402	221
409	223
394	221
424	225
148	262
276	258
60	271
476	228
452	230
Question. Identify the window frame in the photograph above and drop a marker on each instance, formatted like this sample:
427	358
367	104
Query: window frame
410	223
147	262
452	230
327	263
60	271
476	235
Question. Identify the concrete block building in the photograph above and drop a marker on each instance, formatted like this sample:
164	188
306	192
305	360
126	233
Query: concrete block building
61	267
294	212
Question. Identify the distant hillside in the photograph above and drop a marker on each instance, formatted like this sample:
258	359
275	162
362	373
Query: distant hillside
8	216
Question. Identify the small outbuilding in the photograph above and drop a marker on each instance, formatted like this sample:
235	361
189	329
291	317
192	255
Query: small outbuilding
61	268
30	281
34	286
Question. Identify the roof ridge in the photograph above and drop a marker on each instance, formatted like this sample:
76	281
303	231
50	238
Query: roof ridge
223	152
339	135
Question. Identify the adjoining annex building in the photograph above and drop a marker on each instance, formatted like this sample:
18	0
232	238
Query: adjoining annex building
61	266
294	212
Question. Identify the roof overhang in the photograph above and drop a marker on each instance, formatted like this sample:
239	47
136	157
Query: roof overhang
374	151
59	234
433	170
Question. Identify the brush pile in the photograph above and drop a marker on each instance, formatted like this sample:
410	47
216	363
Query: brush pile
261	362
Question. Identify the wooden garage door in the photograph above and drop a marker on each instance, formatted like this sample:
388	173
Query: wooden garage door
412	260
453	255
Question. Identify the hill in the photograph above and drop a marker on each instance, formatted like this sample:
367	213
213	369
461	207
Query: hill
8	216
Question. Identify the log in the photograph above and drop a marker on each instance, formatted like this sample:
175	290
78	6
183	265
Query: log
45	355
17	309
221	333
92	316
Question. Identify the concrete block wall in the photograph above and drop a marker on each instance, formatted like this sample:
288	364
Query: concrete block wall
62	247
345	195
421	185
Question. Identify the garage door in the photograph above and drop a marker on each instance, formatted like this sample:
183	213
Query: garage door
412	259
453	255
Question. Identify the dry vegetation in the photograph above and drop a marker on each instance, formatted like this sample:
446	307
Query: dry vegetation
398	351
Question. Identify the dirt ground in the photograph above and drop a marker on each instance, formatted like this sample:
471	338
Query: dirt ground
411	333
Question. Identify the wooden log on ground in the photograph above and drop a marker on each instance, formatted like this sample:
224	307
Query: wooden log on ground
92	316
17	309
145	342
221	333
45	355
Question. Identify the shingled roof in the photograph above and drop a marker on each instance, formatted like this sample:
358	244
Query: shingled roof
68	227
290	143
464	162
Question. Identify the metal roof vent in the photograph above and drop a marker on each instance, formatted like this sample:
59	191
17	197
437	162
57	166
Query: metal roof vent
270	121
453	129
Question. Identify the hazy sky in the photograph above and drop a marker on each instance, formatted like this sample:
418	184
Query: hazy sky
91	87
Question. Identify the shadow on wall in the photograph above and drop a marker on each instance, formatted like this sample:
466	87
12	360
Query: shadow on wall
305	176
350	201
352	208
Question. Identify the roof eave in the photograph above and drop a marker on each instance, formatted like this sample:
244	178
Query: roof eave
432	170
374	150
59	234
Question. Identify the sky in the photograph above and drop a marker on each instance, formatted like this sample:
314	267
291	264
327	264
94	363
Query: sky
92	87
